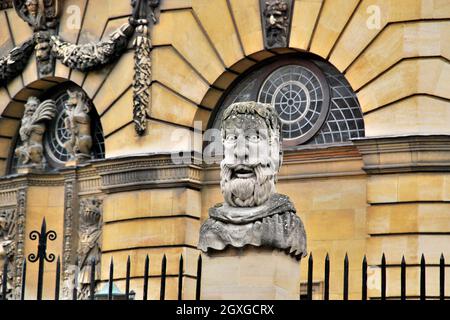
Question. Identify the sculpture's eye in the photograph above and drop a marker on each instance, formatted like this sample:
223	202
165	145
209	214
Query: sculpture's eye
231	138
254	138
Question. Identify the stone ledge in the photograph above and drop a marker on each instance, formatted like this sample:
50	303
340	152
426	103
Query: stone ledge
398	154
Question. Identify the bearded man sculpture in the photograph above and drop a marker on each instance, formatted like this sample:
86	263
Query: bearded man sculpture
253	213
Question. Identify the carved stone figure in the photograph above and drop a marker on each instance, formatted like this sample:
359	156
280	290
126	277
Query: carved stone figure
42	17
86	57
7	246
89	248
78	125
14	63
33	126
276	21
253	213
39	14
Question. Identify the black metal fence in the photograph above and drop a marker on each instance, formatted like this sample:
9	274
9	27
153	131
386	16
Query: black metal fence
383	281
41	257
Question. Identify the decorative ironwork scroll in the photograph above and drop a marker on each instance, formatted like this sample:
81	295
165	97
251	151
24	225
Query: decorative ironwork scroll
41	255
86	57
276	20
14	63
144	15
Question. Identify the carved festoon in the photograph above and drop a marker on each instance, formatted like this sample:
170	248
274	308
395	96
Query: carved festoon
89	247
14	63
7	247
33	126
276	21
42	17
86	57
144	14
78	126
253	213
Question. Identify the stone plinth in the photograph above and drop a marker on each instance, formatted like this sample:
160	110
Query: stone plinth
250	273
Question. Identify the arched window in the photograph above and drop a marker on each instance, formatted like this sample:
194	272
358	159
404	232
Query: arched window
315	103
56	134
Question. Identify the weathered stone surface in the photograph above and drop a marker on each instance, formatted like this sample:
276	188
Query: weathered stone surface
250	273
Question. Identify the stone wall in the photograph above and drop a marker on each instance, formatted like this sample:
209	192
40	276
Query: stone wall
376	197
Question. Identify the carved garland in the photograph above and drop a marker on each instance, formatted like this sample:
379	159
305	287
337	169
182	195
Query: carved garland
86	57
13	64
42	17
144	14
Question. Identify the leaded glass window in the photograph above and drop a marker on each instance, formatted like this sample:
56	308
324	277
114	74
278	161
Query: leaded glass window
315	103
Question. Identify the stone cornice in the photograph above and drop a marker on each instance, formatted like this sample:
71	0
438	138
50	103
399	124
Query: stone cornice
397	154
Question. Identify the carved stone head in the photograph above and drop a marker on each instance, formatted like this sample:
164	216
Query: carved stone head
252	153
76	98
276	14
90	213
31	105
32	7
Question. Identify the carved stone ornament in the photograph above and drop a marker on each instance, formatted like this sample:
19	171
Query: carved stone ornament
14	63
6	4
89	247
253	213
33	127
86	57
39	14
144	14
42	17
7	247
276	21
78	126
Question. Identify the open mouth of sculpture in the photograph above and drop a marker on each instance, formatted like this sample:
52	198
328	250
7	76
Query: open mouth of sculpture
243	172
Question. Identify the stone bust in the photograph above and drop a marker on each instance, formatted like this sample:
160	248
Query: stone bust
253	213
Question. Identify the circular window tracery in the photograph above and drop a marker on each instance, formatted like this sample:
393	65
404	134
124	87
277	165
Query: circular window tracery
301	99
315	103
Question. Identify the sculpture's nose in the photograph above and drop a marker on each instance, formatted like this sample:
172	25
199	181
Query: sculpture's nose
272	20
241	150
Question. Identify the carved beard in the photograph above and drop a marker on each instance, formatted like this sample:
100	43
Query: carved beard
246	191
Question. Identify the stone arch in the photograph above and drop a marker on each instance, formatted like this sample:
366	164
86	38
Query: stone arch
12	113
230	78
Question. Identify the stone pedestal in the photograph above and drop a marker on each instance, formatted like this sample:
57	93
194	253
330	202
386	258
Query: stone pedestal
250	273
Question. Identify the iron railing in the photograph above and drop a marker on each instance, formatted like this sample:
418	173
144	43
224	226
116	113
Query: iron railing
41	257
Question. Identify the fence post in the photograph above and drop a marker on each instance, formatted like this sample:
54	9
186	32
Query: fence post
364	279
383	277
199	278
111	279
5	279
180	278
58	278
403	280
310	277
127	280
327	278
345	277
24	276
442	277
92	280
422	278
41	255
162	294
146	268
